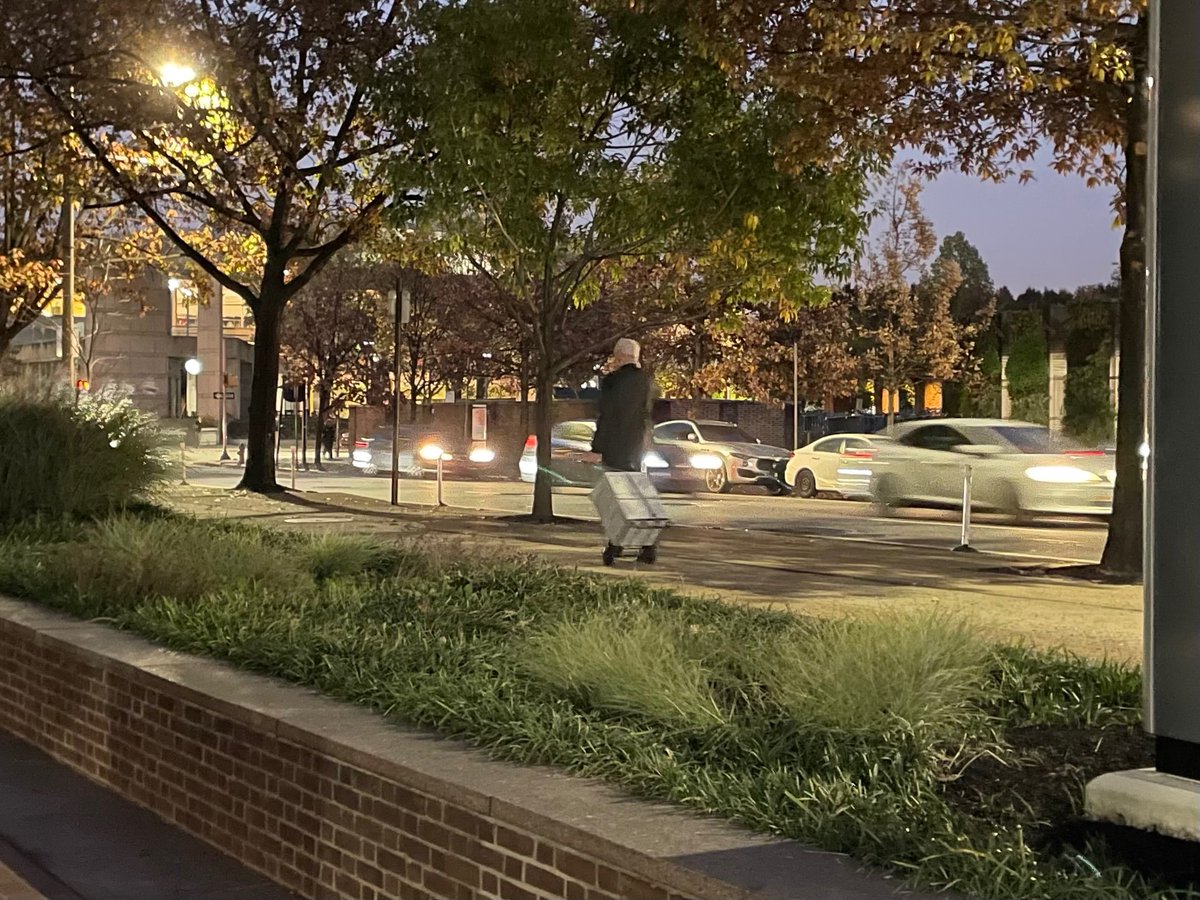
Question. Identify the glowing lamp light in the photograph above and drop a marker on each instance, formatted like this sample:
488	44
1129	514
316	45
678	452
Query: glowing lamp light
431	452
176	74
193	366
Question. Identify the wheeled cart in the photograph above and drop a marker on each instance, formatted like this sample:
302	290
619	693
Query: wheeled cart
631	513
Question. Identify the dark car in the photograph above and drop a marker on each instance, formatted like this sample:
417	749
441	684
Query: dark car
671	468
418	454
741	458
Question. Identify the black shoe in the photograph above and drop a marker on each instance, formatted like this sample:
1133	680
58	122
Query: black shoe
648	555
610	554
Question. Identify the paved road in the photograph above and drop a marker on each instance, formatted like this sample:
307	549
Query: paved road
1067	540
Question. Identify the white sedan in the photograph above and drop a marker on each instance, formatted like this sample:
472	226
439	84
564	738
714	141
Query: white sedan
1016	468
835	464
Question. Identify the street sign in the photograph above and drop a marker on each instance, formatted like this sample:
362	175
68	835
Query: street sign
479	423
222	395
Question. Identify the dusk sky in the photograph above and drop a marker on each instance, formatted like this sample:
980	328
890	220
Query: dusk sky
1050	233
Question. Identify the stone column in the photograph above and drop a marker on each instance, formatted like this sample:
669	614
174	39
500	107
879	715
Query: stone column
1005	396
1057	386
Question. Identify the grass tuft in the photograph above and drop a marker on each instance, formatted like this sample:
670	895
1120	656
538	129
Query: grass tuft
627	662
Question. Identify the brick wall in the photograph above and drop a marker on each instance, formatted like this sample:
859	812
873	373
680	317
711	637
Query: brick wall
330	801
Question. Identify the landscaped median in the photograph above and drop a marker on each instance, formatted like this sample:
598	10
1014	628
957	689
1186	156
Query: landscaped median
906	741
903	741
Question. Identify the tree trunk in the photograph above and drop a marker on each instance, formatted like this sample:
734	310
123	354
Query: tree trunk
1123	550
543	498
259	474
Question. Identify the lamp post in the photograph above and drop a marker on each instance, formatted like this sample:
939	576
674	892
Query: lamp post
401	312
192	367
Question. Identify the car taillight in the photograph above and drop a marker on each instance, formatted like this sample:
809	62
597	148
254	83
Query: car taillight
859	454
531	442
361	445
1083	453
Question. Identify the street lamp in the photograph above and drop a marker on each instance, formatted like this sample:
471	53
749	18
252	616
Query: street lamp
175	74
192	367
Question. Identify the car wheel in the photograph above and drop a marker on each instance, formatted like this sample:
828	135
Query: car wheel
806	484
717	481
1011	507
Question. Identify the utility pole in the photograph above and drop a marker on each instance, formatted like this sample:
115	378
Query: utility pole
223	381
68	291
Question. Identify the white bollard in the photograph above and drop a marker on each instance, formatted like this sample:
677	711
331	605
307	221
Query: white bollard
183	461
440	502
964	545
294	468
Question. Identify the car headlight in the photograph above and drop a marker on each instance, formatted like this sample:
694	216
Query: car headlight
654	460
708	461
482	455
1061	475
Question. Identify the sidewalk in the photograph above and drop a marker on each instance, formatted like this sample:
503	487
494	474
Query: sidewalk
809	575
63	837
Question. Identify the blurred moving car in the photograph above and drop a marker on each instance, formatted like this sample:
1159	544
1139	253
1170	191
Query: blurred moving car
836	464
373	454
670	468
1017	468
745	460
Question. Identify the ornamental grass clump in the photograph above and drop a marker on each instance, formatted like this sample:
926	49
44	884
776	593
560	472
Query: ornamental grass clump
629	662
922	674
62	459
126	559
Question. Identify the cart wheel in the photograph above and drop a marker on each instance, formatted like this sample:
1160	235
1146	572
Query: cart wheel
648	555
610	555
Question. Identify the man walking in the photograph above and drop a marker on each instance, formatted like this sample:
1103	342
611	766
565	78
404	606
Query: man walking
623	421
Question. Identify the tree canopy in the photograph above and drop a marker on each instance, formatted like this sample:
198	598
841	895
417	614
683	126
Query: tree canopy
563	142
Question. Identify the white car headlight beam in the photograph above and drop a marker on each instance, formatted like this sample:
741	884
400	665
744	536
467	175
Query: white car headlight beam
1060	475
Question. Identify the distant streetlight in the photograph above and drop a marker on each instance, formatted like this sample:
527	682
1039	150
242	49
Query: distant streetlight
174	284
175	74
192	367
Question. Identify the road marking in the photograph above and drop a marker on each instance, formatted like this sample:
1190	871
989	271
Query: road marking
14	888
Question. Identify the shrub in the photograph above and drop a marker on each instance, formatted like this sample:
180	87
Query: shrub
634	662
58	459
921	672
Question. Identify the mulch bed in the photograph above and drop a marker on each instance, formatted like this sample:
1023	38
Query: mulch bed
1045	781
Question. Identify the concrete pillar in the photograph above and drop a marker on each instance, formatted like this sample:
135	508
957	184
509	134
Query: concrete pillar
1058	388
1167	799
1114	373
1005	396
209	334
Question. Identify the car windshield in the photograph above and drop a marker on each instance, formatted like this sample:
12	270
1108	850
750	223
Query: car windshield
723	433
1027	439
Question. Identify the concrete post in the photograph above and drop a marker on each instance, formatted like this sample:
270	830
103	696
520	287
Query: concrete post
1167	799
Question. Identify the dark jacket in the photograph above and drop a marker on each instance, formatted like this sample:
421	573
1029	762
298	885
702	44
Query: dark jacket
623	423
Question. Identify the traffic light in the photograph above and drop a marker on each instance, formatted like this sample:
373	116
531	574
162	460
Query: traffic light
82	386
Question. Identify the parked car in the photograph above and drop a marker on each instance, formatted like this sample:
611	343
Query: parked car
671	468
1017	468
836	464
744	459
373	454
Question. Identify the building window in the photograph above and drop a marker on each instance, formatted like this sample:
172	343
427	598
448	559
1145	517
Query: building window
183	307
